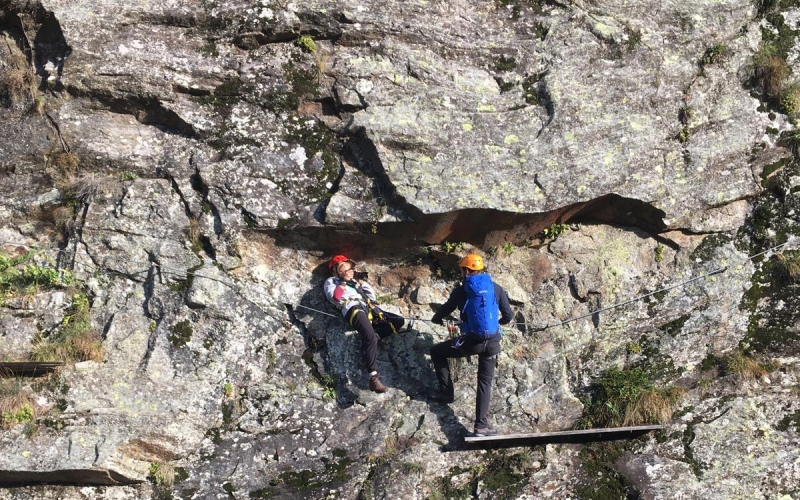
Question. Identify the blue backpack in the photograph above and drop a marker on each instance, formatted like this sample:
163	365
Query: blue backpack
481	313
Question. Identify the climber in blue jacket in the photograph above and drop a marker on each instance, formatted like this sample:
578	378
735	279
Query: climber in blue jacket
483	307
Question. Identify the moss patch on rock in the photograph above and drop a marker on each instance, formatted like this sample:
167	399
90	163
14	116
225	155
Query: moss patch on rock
674	327
505	473
225	94
305	481
790	421
706	250
773	299
770	329
322	148
599	480
181	333
302	83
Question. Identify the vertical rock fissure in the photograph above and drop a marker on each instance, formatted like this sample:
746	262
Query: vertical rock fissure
197	183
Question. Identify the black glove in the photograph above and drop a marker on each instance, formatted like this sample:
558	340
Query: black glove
437	321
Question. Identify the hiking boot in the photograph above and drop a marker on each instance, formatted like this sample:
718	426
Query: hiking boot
375	384
479	433
441	396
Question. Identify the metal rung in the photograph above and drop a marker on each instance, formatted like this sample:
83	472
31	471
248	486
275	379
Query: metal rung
571	436
28	368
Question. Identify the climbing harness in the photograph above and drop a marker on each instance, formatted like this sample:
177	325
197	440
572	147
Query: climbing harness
374	313
456	341
451	330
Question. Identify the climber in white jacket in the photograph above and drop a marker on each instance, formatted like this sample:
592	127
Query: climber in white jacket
357	301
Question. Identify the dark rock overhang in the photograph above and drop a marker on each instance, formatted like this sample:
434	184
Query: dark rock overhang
477	226
64	477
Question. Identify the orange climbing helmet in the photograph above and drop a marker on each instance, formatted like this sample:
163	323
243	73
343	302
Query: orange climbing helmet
336	260
472	261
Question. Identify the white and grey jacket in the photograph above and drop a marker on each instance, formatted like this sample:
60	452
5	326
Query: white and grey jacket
351	296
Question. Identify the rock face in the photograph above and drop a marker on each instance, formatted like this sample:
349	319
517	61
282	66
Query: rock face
175	175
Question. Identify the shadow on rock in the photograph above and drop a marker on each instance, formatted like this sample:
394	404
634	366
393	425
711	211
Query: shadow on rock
334	356
413	374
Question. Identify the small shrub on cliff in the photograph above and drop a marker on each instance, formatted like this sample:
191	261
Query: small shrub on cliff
770	70
555	230
505	63
15	405
209	49
21	415
744	366
162	474
86	186
193	233
76	341
685	114
227	390
634	37
17	79
530	86
38	105
628	397
61	217
792	141
328	387
13	84
659	251
77	186
65	162
449	247
716	54
766	6
787	268
62	167
790	99
306	44
17	276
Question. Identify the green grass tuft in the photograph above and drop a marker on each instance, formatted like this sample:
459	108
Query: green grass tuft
75	341
16	406
628	397
770	70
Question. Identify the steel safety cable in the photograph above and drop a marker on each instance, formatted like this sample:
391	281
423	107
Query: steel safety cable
720	270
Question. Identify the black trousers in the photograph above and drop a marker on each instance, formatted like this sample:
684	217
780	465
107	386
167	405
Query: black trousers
487	351
373	331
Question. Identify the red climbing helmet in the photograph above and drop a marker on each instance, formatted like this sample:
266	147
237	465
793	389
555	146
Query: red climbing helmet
336	260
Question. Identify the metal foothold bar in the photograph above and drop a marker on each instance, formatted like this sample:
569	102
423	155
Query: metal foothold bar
570	436
28	368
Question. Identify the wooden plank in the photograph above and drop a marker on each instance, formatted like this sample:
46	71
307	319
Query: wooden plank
28	368
571	436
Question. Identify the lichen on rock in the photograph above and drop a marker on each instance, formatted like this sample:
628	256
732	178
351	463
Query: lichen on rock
194	164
